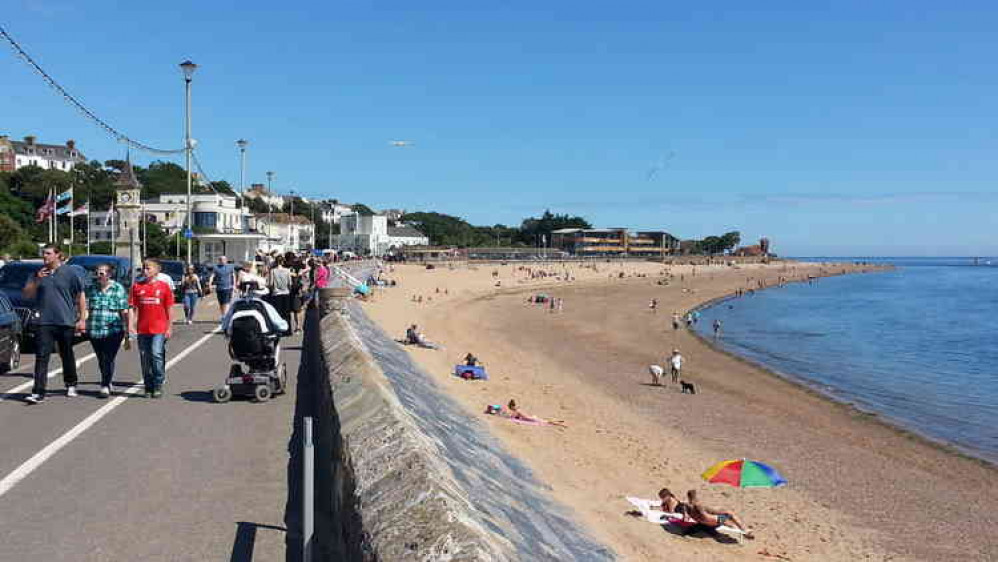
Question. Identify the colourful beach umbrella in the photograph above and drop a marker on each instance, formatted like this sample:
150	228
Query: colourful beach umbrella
743	473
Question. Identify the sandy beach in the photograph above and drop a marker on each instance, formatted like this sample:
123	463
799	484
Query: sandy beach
859	489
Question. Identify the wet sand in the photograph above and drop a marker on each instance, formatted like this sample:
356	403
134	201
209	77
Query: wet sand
859	489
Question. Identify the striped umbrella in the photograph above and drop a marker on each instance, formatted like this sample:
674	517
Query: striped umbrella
743	473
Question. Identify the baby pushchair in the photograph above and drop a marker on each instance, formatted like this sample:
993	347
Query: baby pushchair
254	330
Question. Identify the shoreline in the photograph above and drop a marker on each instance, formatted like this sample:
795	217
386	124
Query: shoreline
620	426
851	408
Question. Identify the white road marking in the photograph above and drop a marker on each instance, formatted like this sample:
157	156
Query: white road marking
22	472
20	388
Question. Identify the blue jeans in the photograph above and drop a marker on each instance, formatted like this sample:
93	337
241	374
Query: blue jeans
190	305
152	352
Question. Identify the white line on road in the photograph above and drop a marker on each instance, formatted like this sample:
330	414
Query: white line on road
21	472
19	388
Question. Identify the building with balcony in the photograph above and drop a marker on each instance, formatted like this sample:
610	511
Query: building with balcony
619	242
363	234
286	233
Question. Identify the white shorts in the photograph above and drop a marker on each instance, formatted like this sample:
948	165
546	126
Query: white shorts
656	371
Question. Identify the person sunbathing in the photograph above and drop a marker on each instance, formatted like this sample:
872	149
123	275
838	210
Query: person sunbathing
713	518
470	360
670	503
515	413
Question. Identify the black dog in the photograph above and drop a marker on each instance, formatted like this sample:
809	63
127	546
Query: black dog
688	387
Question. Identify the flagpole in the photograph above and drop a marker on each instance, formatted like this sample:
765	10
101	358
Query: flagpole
72	214
52	229
88	225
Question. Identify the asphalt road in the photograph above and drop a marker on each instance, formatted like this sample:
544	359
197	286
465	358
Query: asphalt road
179	478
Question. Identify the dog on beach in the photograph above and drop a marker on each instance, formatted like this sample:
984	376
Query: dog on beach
657	372
688	387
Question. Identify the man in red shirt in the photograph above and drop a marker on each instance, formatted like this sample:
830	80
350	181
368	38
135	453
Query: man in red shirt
152	307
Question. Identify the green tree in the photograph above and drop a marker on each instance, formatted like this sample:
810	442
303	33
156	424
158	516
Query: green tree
730	240
10	231
362	209
158	242
533	228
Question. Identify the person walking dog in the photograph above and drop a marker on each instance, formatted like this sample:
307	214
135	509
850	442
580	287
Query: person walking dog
107	324
62	313
152	303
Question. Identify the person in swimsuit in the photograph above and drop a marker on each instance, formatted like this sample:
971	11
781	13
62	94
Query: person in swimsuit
670	503
713	518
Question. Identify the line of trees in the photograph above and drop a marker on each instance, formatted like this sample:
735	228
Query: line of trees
447	230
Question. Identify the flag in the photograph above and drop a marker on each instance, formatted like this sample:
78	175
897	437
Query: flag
63	210
64	196
110	213
82	210
45	210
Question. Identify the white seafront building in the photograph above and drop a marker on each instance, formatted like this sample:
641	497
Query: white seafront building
371	235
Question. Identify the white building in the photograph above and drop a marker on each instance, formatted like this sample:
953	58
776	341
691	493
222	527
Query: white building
221	227
47	156
371	235
333	211
399	236
284	233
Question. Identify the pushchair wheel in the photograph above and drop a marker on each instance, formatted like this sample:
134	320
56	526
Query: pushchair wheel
262	393
221	394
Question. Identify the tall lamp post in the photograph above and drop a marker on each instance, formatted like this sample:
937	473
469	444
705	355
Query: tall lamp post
270	191
291	223
242	143
188	69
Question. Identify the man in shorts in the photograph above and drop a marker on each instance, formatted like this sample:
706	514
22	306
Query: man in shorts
223	279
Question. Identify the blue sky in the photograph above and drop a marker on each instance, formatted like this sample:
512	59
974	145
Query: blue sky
851	129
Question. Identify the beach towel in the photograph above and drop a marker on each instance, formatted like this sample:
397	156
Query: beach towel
470	372
659	517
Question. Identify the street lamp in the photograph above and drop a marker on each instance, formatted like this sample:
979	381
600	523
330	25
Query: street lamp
270	208
188	69
291	223
242	143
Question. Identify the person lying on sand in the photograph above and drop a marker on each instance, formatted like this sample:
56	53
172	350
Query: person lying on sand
670	503
515	413
713	518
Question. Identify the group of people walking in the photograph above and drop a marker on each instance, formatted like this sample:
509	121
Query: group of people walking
111	316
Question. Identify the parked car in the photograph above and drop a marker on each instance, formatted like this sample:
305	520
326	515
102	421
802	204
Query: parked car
122	268
13	277
175	269
10	336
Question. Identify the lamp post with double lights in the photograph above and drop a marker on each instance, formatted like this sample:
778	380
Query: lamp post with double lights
188	69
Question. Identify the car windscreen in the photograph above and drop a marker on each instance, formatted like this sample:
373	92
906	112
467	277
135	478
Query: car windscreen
174	269
15	276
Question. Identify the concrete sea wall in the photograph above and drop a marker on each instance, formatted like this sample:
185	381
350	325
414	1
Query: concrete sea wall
402	472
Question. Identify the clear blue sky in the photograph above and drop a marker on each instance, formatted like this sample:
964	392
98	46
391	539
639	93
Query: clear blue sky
862	128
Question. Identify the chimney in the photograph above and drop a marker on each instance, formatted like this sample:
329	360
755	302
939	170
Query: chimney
71	144
29	140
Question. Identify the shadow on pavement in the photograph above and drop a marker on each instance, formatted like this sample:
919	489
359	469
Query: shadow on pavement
197	396
242	546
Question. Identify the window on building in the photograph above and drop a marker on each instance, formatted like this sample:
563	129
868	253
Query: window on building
206	220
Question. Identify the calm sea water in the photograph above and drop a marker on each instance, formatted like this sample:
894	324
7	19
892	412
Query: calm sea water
917	345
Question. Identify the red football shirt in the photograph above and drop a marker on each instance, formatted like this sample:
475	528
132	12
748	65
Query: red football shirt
151	301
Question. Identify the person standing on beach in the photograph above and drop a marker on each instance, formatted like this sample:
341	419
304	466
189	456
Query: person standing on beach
675	320
676	365
107	323
152	303
62	313
653	305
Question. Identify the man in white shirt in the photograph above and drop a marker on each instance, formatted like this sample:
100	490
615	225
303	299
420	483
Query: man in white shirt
676	363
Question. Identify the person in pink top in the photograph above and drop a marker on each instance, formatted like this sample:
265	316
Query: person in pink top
321	274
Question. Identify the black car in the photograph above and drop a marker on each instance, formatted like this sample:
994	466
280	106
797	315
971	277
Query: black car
10	336
122	268
13	277
175	269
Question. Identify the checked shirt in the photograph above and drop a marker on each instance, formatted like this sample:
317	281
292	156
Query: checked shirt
104	306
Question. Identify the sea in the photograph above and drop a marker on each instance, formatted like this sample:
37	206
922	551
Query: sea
916	345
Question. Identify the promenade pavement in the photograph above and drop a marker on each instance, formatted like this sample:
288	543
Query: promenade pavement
130	478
